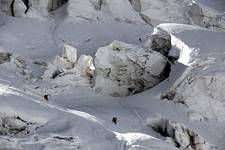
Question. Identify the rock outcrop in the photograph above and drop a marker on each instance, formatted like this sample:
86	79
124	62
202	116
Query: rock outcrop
67	64
54	4
19	8
201	89
14	8
136	4
203	17
69	53
5	57
131	11
5	7
10	125
182	137
161	41
68	58
86	66
123	69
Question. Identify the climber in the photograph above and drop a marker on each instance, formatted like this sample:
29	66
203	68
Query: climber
46	97
114	120
140	40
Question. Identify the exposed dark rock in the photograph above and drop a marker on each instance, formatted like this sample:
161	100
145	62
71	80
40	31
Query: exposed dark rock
136	4
161	42
98	4
5	57
55	4
70	139
27	4
42	63
146	19
183	138
169	95
128	69
12	125
56	73
12	8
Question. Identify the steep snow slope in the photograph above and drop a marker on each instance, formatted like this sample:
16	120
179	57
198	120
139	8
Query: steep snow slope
205	13
78	105
201	88
214	4
37	112
45	41
55	34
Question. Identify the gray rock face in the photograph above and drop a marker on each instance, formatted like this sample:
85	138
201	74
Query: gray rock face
123	69
136	4
19	8
161	42
67	68
200	16
5	7
11	125
181	136
202	90
97	4
196	14
5	57
68	58
15	8
54	4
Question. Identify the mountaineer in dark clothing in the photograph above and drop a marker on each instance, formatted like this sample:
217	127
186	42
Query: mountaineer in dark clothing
114	120
46	97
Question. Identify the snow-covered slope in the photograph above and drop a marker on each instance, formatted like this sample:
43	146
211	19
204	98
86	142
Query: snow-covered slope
202	85
46	95
205	13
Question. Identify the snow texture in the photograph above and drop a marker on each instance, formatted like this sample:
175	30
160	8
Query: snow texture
49	74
